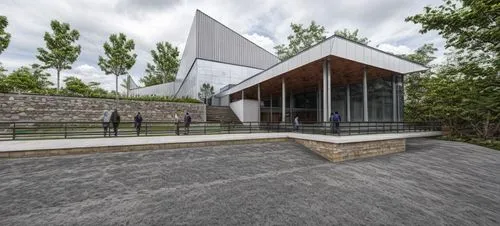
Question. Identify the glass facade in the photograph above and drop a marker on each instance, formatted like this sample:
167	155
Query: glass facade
216	74
339	101
356	102
380	97
380	102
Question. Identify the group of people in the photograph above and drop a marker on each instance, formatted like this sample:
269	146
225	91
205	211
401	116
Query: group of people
113	120
335	120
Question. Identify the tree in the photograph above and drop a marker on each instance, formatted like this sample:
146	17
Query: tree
301	39
126	84
465	24
464	94
41	77
4	36
352	35
165	65
62	50
21	80
206	91
75	85
119	57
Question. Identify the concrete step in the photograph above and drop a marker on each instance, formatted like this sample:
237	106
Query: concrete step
218	113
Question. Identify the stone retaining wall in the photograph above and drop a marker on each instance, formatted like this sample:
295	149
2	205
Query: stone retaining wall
348	151
19	107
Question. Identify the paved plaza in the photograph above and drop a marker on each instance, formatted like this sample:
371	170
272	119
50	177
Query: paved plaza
433	183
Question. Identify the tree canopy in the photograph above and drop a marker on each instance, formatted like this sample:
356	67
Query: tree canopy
464	93
302	38
4	36
352	35
465	24
206	91
165	65
26	80
119	56
62	50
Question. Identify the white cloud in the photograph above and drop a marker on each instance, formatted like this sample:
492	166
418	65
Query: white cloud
266	22
400	49
262	41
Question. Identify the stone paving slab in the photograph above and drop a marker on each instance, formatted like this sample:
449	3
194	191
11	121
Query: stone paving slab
33	145
433	183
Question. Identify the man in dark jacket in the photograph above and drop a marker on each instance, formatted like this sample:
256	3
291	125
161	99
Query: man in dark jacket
187	123
335	119
137	123
115	120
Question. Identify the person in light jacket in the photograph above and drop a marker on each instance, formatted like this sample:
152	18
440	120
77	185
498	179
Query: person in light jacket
106	117
296	123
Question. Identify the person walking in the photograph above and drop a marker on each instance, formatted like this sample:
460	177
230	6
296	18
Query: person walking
138	123
105	122
115	120
335	119
187	123
296	123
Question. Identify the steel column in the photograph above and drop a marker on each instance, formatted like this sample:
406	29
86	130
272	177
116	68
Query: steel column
365	96
348	96
283	99
258	99
394	100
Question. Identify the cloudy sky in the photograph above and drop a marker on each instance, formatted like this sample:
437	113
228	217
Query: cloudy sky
265	22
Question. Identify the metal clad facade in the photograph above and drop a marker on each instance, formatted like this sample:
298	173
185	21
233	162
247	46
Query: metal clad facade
188	57
219	43
165	89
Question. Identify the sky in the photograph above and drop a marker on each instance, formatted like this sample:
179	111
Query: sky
265	22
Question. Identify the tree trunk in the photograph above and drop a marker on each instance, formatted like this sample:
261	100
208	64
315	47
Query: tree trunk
116	83
58	73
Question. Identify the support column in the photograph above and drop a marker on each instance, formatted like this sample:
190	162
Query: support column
365	96
329	89
283	99
348	96
325	97
318	103
291	106
271	110
258	99
394	100
243	106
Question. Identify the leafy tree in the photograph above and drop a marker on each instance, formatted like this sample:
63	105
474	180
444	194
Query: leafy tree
4	36
21	80
126	84
464	93
165	65
302	38
206	91
62	50
75	85
465	24
352	35
119	57
41	77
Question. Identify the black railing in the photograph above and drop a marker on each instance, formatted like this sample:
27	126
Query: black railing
64	130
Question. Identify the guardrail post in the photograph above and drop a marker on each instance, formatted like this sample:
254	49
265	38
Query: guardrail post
65	131
229	128
250	127
205	128
14	131
146	128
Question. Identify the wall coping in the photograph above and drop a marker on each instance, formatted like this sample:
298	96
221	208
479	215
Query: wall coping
38	145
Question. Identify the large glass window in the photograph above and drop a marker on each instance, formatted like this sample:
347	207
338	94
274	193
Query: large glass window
356	102
339	101
400	96
380	99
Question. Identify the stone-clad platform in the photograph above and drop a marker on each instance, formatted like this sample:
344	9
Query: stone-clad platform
333	148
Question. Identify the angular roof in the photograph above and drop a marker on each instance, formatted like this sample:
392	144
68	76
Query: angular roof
208	39
333	46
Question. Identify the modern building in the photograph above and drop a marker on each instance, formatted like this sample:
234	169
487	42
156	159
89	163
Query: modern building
360	82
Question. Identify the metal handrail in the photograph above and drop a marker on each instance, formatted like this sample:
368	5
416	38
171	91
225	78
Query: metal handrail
66	130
